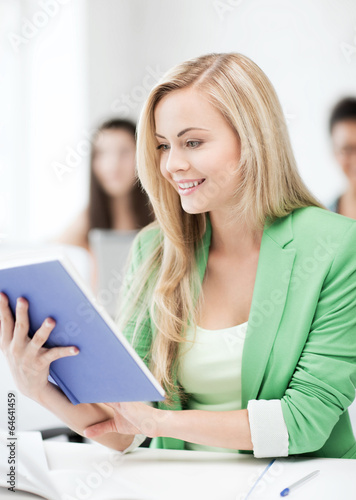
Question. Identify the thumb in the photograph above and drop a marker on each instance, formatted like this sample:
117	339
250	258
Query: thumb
100	428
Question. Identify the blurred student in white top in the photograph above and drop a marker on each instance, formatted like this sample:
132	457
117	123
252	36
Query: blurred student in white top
116	197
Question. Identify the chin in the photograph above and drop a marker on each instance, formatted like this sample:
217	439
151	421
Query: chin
195	210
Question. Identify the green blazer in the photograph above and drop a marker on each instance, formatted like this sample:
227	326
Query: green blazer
300	344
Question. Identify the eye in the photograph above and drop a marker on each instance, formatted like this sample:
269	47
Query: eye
162	146
194	142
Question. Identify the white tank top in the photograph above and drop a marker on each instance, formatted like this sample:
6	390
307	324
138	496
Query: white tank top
210	371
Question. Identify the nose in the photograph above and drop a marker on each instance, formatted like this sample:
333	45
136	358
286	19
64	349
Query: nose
176	161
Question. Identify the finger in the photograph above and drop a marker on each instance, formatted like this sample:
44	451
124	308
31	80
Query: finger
100	428
42	334
59	352
7	321
22	324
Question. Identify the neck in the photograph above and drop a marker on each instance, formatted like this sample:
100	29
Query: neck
233	240
122	213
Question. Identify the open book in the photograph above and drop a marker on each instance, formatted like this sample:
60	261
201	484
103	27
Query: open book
107	368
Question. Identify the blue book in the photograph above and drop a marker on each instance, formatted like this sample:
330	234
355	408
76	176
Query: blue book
107	368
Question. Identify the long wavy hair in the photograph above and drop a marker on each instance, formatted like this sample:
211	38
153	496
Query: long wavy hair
167	287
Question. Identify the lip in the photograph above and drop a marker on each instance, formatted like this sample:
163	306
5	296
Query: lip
187	191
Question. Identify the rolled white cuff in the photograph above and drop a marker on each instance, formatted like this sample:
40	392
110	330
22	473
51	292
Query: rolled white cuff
269	433
139	438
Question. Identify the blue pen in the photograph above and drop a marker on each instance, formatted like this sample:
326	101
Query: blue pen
286	491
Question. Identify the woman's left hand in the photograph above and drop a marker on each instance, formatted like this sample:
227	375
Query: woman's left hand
129	418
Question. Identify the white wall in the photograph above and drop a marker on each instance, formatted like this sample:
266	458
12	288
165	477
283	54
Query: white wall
43	86
56	92
11	125
302	46
92	60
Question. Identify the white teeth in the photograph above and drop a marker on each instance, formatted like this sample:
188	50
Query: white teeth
189	184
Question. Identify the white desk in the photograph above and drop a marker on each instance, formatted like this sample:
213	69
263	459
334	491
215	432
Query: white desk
187	475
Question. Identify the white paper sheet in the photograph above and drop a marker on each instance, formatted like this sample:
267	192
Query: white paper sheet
337	479
34	475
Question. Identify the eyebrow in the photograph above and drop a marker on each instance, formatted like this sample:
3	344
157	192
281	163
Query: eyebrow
183	131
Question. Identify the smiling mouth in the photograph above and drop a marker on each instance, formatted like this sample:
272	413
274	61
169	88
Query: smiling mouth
187	191
191	187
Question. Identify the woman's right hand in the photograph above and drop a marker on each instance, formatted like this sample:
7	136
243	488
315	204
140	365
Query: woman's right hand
28	360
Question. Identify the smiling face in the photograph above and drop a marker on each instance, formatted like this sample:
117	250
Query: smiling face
344	143
196	143
114	161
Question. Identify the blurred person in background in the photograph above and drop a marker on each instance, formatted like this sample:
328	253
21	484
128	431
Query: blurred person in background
342	127
116	200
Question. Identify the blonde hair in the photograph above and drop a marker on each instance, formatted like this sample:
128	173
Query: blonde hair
167	286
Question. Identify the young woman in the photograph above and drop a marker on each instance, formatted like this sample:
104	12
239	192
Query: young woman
240	297
116	198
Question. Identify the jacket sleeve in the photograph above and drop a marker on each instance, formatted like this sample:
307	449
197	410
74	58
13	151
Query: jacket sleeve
142	345
323	383
142	341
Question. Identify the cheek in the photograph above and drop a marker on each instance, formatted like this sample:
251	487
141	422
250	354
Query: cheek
349	171
224	159
127	177
101	165
342	160
345	165
128	166
162	168
223	168
98	171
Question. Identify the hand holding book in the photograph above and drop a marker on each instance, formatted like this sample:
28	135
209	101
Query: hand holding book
106	369
129	418
28	360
